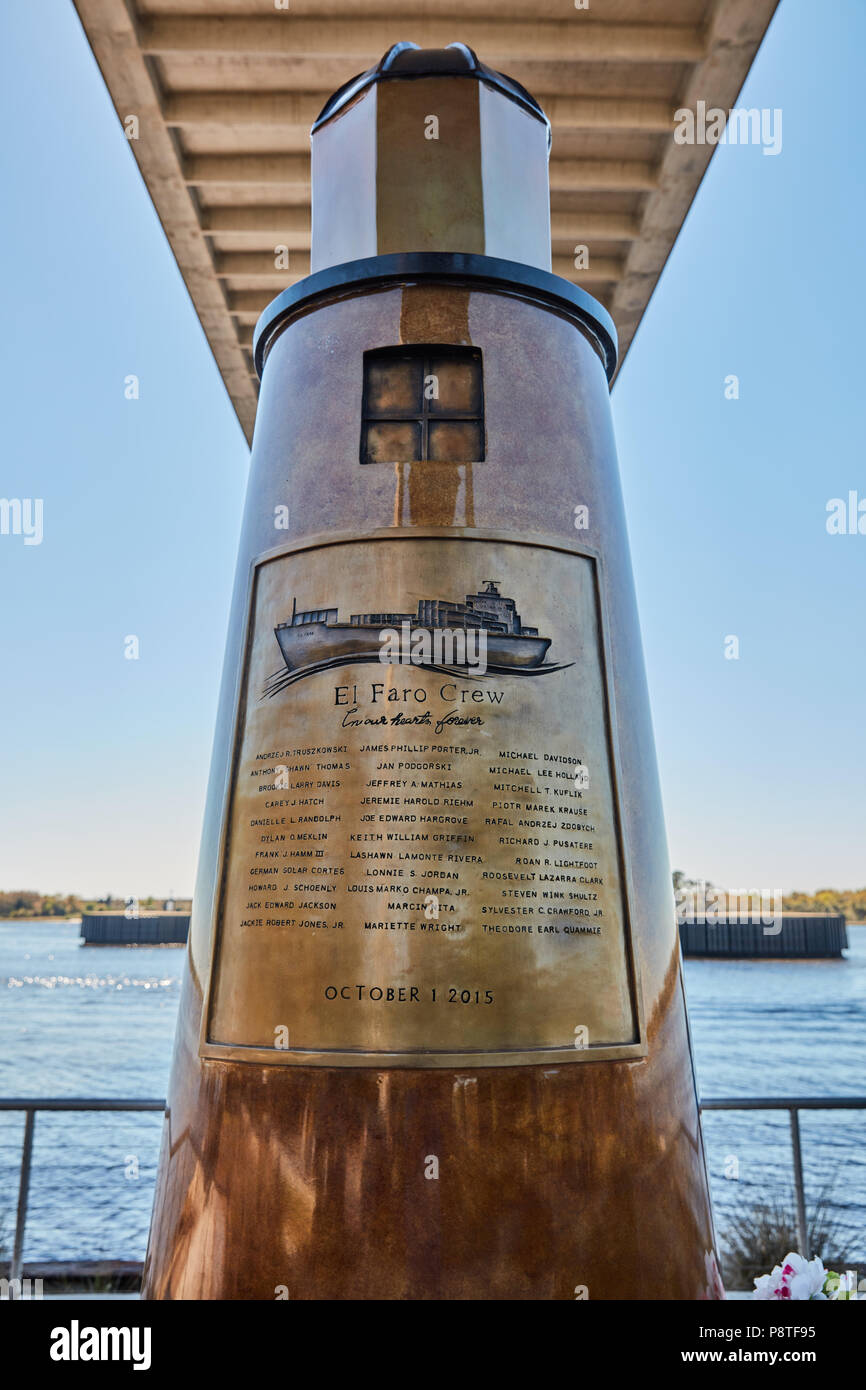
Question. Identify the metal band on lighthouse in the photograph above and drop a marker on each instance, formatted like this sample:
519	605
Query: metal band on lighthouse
433	1041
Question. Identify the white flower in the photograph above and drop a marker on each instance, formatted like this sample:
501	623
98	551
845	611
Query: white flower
795	1278
765	1287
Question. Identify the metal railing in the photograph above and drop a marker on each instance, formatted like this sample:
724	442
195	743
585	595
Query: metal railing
30	1107
793	1105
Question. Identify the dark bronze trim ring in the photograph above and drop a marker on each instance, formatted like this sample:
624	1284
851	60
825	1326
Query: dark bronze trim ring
481	272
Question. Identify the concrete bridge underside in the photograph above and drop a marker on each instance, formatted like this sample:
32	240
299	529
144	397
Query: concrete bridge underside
225	91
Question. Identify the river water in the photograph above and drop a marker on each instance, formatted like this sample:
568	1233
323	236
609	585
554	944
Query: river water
78	1021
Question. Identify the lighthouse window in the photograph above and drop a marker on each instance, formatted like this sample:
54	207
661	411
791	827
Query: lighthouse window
423	404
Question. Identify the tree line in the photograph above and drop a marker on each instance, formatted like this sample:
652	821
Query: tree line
24	902
850	902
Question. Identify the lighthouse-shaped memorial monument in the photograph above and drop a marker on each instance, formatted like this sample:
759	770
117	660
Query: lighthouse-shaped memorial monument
432	1041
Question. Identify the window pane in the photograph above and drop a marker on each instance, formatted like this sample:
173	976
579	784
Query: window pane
391	441
455	441
394	385
459	385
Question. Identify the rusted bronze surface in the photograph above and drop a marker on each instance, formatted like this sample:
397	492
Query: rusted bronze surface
309	1181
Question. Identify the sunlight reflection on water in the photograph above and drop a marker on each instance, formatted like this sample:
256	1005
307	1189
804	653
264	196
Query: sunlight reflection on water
759	1028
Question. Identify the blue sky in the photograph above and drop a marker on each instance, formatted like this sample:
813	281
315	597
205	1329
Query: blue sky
763	759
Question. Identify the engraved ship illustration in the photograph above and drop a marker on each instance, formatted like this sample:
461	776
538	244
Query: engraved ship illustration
316	636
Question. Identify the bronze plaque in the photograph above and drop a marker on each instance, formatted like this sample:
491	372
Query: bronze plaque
422	862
